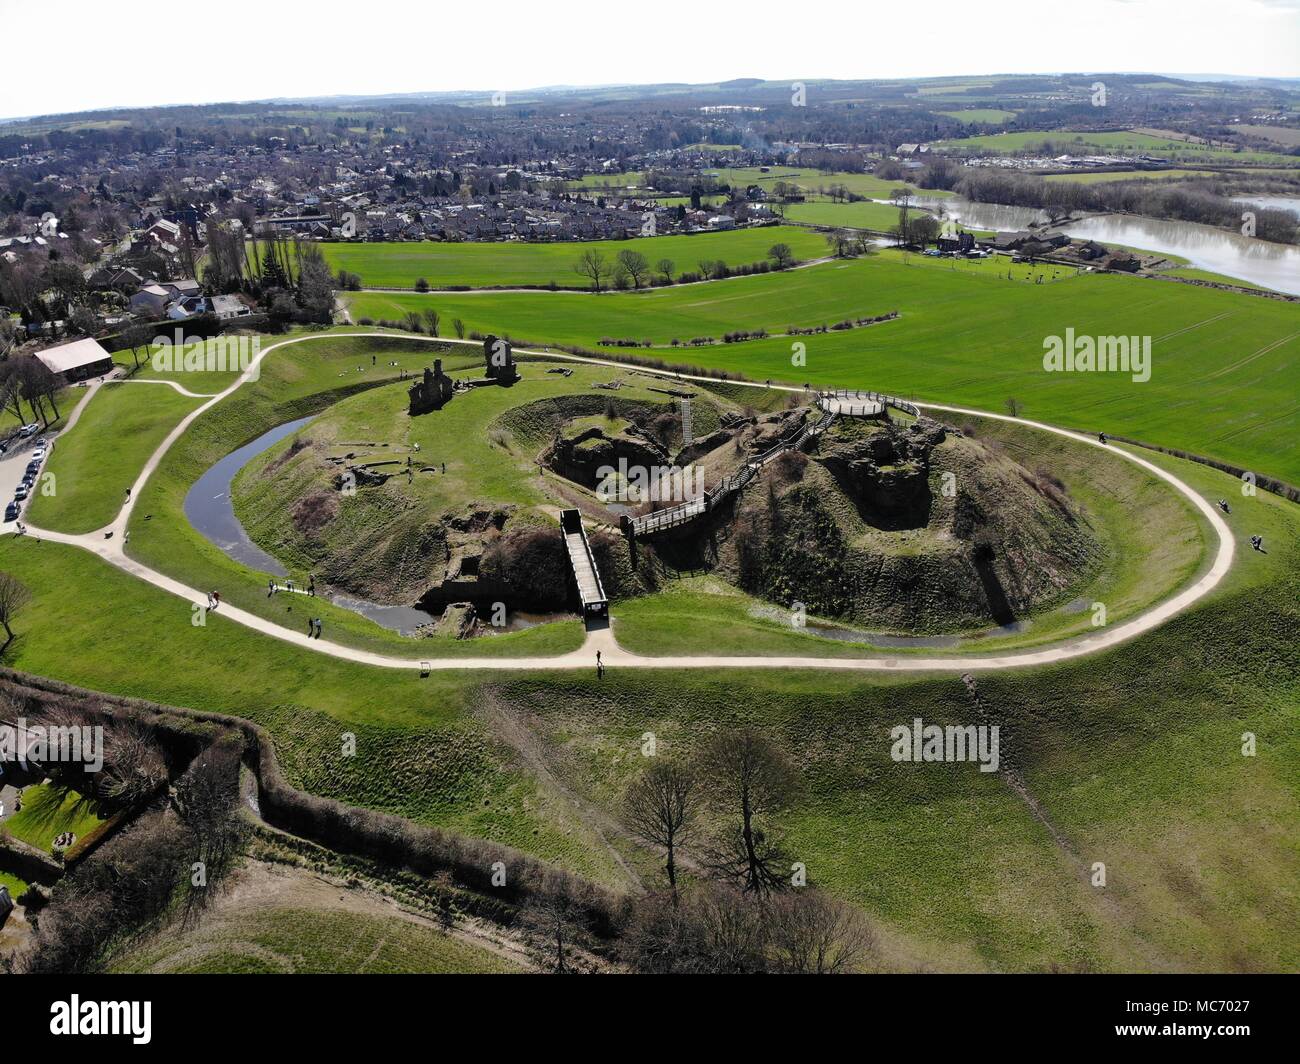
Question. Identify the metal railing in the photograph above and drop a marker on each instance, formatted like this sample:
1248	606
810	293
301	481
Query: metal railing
846	396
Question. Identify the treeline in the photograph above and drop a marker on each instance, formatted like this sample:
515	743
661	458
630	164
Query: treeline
1156	199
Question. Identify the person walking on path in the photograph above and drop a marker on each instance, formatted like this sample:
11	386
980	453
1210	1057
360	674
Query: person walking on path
600	667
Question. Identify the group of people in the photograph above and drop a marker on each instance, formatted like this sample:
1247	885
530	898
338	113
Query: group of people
272	587
313	627
1257	542
214	599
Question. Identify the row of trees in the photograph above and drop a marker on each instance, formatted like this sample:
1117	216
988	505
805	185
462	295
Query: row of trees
28	379
631	269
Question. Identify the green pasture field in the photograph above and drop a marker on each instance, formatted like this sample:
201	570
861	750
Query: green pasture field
980	114
810	180
881	217
1124	141
967	335
94	464
503	264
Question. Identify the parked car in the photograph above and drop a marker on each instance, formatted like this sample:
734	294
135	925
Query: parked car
21	493
38	454
33	467
11	512
27	430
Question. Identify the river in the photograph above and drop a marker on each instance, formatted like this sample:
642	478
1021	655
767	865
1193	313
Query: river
1261	262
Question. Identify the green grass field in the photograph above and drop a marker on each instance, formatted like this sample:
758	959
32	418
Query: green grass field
94	464
47	813
882	217
1123	142
967	335
990	115
497	265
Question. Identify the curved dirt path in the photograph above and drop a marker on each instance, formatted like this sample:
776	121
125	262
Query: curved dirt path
107	543
169	384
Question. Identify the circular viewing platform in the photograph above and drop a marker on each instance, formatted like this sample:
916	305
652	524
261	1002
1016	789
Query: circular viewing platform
851	406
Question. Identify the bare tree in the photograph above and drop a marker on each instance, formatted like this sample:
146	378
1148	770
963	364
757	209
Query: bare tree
810	933
751	780
634	265
665	269
432	319
13	597
591	264
661	806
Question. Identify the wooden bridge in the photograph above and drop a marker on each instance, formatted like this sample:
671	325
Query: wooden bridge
591	592
662	520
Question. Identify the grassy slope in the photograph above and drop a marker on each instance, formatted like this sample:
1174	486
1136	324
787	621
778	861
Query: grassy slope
297	380
308	941
420	752
480	472
967	335
1154	544
96	462
1133	754
480	265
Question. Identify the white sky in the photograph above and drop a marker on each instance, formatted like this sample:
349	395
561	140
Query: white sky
73	55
